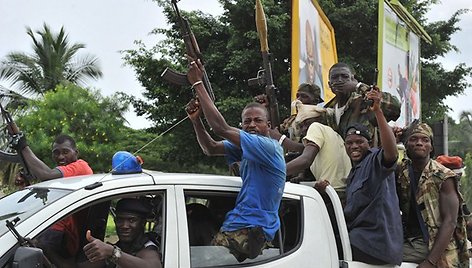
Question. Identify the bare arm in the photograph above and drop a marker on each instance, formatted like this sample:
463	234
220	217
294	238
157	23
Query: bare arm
390	153
213	116
448	209
206	142
305	160
38	168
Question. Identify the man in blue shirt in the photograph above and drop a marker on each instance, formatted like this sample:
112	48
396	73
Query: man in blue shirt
254	220
372	212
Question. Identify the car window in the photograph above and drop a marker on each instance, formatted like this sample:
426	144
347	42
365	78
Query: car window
63	241
24	203
205	214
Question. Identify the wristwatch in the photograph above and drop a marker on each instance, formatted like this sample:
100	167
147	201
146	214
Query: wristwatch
115	255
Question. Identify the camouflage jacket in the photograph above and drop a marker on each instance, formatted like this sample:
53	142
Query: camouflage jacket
427	199
357	112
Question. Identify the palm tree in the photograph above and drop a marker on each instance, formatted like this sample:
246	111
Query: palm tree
466	116
54	60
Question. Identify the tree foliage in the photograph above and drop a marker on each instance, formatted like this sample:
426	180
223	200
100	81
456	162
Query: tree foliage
466	180
231	51
460	140
53	61
96	123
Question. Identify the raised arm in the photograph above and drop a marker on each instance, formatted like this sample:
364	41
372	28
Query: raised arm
206	142
387	137
212	115
287	144
38	168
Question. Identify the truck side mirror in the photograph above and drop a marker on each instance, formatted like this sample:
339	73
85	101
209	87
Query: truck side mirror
27	257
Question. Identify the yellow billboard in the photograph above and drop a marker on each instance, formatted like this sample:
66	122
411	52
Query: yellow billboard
313	47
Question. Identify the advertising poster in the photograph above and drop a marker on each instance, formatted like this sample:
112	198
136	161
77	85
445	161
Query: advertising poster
399	63
313	47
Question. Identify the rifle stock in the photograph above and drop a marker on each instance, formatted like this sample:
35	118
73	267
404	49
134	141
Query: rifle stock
192	51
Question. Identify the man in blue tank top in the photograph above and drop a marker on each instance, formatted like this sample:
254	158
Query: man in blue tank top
254	220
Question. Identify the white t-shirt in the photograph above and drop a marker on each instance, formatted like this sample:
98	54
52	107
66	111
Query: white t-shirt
338	112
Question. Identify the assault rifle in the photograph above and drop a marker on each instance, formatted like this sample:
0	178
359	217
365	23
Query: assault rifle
264	77
25	242
14	135
192	50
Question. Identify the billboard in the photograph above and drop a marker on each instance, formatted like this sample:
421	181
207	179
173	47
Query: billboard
399	63
313	47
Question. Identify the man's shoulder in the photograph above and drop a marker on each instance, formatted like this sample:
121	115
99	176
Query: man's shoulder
76	168
81	162
437	170
319	130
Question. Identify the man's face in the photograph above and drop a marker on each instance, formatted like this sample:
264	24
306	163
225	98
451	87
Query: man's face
129	226
255	121
337	77
63	153
357	147
418	146
305	125
305	98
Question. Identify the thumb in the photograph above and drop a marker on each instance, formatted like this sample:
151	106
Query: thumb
89	236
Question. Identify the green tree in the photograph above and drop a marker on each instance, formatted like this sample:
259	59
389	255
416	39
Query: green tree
466	181
95	122
460	140
53	61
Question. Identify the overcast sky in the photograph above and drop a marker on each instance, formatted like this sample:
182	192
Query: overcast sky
108	26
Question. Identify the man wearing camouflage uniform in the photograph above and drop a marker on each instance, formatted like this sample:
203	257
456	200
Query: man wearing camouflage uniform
349	106
434	226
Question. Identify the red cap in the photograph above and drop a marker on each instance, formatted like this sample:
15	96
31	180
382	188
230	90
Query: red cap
451	162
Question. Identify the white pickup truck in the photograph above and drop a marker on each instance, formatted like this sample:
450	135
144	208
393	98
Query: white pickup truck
188	209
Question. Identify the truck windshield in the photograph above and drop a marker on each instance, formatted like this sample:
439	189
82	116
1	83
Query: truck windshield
25	203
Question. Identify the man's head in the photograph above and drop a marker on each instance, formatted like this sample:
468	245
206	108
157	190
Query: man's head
131	214
255	119
339	74
357	142
309	94
306	115
419	142
64	150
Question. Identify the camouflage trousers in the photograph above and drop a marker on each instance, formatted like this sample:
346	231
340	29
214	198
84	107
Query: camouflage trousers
244	243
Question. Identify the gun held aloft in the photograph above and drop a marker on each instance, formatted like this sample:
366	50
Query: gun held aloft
264	77
192	50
